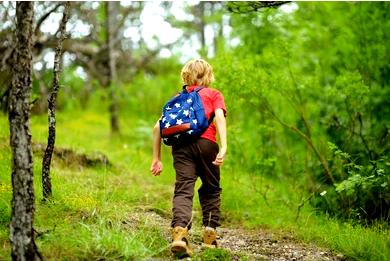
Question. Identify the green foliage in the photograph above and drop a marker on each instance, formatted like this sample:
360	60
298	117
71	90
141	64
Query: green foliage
5	180
147	93
363	195
300	80
75	92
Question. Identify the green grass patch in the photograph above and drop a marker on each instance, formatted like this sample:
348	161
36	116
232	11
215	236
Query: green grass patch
214	255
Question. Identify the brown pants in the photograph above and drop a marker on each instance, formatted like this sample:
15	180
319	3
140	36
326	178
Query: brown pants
191	161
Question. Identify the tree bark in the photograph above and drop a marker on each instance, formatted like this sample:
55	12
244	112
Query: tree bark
111	67
21	228
52	103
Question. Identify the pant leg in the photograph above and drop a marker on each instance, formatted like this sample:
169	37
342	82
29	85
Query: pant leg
210	191
185	167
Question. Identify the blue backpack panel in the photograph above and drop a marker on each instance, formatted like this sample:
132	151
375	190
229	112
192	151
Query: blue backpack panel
183	118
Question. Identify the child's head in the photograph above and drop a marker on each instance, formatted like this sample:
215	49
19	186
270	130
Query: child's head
197	72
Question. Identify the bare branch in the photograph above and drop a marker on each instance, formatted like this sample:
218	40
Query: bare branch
249	7
302	204
123	19
45	16
82	46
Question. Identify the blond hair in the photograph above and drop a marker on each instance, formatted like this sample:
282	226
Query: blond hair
197	72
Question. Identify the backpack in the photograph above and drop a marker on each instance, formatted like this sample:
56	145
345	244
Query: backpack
183	118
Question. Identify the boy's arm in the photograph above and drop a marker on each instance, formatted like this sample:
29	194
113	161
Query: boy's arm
156	167
220	121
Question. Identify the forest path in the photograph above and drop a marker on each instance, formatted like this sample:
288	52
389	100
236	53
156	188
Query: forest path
248	244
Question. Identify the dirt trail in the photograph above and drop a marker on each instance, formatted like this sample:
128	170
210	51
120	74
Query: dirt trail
255	244
264	245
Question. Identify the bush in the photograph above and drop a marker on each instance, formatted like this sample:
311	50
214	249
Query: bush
363	195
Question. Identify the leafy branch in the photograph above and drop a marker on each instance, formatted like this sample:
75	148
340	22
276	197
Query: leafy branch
304	136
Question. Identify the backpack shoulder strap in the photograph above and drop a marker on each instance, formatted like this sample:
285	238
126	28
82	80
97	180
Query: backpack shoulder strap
197	89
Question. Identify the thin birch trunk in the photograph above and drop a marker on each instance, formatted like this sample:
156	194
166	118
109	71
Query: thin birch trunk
52	103
21	227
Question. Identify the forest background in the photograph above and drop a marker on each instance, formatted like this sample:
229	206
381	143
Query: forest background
307	87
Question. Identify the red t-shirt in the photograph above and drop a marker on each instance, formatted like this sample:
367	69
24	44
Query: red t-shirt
212	99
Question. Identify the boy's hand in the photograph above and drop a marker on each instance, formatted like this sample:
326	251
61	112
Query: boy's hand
220	157
156	167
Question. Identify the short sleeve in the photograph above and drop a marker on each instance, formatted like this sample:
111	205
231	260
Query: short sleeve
218	101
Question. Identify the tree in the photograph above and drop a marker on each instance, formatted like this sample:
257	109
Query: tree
200	16
52	103
314	69
21	228
111	67
87	50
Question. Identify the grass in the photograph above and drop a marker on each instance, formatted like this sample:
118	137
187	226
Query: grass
90	207
103	212
214	255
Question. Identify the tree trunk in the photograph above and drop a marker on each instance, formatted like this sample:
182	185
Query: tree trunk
202	32
52	103
111	79
21	228
218	37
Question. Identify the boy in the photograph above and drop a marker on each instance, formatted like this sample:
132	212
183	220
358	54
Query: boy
199	158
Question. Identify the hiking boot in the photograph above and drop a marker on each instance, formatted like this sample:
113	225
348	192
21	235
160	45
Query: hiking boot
209	237
180	242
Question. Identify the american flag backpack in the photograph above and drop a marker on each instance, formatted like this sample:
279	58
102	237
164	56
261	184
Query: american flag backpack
183	118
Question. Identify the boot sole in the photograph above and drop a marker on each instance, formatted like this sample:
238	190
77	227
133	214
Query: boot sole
180	249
